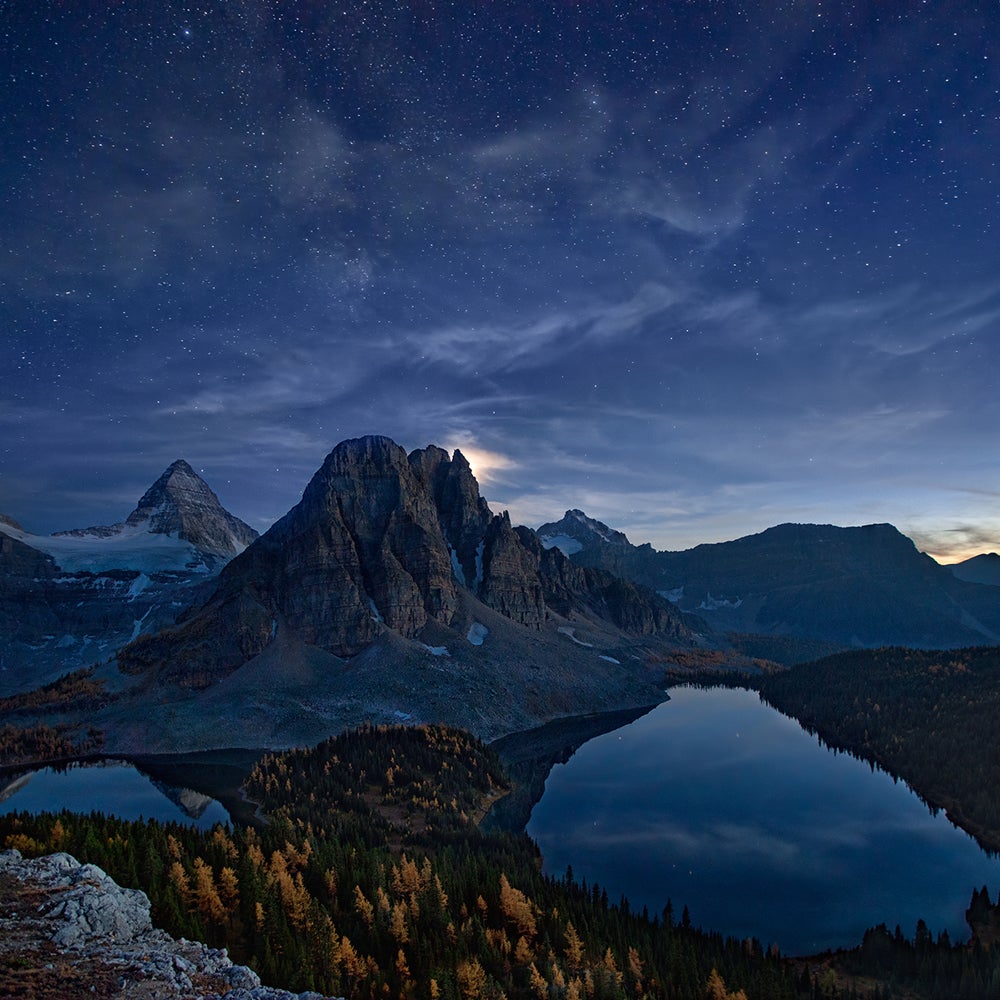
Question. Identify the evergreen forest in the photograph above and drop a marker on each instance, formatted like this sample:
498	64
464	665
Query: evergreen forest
368	876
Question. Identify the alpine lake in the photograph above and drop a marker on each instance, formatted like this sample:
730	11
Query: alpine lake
711	800
717	802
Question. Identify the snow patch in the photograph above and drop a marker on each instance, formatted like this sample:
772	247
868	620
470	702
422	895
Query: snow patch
139	584
672	595
133	547
711	604
376	614
137	625
566	545
456	566
436	650
477	633
610	659
603	532
570	633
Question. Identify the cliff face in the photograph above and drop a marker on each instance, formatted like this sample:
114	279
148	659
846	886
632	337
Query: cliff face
362	548
69	931
510	575
381	540
628	606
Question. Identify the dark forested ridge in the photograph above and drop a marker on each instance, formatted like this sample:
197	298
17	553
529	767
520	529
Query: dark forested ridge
372	879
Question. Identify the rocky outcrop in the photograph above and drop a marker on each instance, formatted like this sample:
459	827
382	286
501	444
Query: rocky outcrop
463	514
20	561
69	930
510	575
632	608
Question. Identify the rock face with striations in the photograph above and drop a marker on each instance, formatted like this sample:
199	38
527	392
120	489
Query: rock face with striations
380	539
181	503
511	583
630	607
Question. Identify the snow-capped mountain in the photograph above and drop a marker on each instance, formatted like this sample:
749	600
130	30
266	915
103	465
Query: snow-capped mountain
576	531
71	599
177	524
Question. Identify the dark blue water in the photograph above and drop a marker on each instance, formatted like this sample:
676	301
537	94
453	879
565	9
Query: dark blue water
112	787
716	801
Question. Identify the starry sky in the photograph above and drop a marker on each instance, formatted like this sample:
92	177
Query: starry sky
695	267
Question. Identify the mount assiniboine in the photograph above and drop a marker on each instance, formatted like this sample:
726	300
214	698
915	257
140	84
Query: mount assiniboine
389	592
180	505
71	599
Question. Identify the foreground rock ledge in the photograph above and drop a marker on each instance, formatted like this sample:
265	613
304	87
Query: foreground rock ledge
69	930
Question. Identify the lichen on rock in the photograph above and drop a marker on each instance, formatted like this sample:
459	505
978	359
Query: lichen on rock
69	930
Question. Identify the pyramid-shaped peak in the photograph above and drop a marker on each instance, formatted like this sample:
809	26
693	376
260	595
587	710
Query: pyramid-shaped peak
181	503
178	479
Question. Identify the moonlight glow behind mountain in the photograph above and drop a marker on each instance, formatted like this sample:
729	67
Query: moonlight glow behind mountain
695	268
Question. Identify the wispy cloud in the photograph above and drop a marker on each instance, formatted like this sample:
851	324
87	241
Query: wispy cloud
541	340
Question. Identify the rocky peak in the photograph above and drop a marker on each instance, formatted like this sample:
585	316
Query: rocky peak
180	503
362	550
463	514
380	539
9	522
576	531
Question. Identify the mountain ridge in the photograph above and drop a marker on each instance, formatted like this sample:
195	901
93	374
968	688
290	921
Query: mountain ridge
384	540
863	585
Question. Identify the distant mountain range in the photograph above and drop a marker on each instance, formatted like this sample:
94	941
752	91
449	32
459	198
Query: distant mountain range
983	568
858	586
391	592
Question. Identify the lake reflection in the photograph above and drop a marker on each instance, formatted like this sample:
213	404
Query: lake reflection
112	787
719	802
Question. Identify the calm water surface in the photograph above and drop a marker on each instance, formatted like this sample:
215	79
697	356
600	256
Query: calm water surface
716	801
111	787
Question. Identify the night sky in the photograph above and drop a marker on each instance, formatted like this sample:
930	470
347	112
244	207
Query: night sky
697	268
